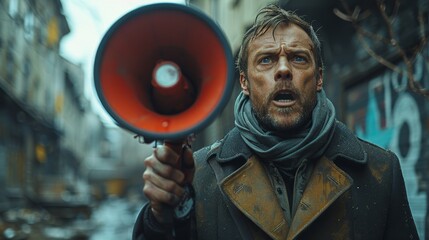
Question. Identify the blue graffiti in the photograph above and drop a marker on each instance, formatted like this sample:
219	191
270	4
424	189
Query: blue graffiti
374	133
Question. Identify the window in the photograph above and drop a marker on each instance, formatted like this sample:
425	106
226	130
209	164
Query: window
29	26
13	8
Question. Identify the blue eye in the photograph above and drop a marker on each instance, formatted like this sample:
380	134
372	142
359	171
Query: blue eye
266	60
299	59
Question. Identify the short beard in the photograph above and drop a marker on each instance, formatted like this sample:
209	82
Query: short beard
270	124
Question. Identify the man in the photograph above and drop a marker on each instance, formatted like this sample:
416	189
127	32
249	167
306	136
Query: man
288	170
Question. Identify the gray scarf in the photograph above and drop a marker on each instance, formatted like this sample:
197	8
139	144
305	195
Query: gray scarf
287	152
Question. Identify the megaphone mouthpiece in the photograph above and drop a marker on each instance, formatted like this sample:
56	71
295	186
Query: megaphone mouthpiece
172	93
166	75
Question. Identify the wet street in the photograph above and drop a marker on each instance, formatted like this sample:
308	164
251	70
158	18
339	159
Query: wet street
112	219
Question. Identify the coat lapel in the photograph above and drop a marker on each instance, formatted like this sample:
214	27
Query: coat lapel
325	185
250	190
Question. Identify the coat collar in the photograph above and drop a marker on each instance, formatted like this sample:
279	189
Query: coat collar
249	187
326	184
344	144
250	190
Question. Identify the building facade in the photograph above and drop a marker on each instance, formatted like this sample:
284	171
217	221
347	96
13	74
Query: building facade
51	138
29	43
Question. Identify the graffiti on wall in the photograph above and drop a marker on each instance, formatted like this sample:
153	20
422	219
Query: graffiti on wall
383	112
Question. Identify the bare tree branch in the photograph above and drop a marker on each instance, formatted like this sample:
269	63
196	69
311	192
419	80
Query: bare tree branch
354	18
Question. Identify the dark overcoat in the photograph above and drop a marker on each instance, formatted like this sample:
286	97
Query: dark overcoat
356	191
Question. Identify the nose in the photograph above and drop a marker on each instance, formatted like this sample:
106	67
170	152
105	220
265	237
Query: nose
283	71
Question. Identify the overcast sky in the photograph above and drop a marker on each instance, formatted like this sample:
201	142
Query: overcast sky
88	21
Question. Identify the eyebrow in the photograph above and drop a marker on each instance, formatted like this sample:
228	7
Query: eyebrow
295	45
307	52
295	50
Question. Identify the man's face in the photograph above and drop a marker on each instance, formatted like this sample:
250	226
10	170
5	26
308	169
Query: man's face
282	80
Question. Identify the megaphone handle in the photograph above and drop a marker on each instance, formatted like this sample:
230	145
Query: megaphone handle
168	212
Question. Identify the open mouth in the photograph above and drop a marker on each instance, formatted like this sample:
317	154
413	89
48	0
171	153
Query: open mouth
284	97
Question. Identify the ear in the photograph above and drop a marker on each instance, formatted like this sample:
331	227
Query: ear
244	83
319	80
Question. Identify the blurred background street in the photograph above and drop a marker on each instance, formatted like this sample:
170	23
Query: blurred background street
111	219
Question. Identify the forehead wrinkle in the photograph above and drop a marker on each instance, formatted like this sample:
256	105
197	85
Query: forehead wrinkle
274	39
282	46
292	36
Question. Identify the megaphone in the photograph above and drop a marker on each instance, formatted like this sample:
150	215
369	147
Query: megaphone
164	71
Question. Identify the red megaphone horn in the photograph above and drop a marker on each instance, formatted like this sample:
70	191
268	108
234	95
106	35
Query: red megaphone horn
164	71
